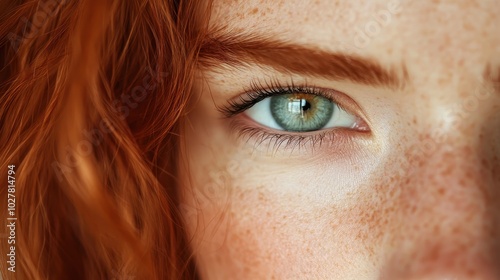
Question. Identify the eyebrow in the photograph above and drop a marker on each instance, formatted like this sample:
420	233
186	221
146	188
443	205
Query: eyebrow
245	50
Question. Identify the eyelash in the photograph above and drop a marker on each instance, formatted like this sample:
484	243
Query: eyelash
258	92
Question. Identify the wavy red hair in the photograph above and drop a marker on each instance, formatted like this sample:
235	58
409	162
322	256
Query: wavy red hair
91	93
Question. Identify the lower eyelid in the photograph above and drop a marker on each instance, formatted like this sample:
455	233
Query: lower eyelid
246	121
262	138
334	140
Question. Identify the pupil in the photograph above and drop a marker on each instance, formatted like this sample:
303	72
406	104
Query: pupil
305	105
298	106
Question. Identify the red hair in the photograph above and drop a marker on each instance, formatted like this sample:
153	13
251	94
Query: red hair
91	93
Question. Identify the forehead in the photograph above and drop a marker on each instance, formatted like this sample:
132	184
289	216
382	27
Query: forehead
441	31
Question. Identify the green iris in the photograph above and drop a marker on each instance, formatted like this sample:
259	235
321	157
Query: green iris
301	112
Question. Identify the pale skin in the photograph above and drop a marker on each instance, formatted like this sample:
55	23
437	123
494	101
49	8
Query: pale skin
415	197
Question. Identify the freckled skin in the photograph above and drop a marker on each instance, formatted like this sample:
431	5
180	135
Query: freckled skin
419	199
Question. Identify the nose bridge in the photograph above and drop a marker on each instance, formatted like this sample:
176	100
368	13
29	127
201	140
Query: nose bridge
448	227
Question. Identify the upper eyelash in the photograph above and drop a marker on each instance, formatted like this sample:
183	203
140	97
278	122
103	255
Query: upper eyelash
258	92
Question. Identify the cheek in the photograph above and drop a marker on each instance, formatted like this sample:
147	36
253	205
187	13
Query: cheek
256	236
248	225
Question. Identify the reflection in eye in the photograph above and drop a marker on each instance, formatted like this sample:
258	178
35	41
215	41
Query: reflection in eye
300	112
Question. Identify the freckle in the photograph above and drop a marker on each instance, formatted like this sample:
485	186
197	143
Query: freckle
442	81
254	11
469	175
448	170
485	163
261	197
413	209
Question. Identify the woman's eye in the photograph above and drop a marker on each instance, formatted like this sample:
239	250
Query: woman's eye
300	112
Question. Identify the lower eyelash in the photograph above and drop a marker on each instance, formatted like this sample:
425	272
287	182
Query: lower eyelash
288	142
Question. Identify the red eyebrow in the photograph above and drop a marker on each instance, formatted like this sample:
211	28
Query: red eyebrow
237	50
